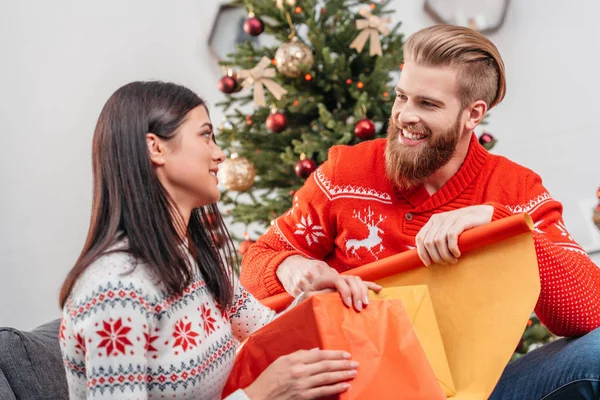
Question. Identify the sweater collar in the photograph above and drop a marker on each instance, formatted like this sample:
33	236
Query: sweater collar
476	158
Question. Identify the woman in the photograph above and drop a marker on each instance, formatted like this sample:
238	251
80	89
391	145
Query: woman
150	308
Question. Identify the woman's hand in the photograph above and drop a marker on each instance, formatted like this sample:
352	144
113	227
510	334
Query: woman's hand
304	374
352	289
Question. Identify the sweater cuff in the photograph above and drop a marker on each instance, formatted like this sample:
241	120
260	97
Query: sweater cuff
237	395
271	281
500	211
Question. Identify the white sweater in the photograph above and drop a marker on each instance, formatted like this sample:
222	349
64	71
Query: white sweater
122	337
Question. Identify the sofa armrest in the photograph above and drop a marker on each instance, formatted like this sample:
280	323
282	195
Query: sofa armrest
31	362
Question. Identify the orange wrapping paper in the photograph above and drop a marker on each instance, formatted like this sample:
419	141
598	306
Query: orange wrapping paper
418	306
381	338
476	238
482	303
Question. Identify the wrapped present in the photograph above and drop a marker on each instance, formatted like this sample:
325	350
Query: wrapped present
392	363
482	303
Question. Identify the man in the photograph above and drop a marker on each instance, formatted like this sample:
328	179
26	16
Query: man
425	185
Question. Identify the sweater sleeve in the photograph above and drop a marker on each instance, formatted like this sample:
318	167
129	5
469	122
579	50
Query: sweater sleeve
247	314
569	302
306	230
105	336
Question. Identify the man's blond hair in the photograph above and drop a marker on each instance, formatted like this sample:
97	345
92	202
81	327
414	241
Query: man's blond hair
480	66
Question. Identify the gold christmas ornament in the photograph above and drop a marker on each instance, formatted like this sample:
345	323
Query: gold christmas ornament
237	173
291	56
259	77
370	27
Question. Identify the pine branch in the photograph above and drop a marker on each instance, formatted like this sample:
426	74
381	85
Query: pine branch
321	112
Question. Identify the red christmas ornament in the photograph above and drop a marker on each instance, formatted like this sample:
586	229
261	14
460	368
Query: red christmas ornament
276	122
254	26
244	246
487	140
228	84
305	167
364	129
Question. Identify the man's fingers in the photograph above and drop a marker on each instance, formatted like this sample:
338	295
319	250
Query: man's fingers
344	289
421	250
358	290
373	286
424	240
303	284
453	233
423	254
436	241
441	245
441	241
431	248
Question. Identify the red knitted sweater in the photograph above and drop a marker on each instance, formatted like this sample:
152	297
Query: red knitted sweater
349	214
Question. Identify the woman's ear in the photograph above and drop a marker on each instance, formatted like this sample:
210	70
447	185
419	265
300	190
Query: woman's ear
477	111
156	149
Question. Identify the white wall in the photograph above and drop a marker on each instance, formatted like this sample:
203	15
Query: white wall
61	60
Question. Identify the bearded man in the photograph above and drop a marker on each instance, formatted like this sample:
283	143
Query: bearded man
424	185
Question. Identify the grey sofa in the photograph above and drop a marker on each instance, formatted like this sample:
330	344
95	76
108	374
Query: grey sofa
31	366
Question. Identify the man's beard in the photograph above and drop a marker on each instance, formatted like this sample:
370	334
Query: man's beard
409	166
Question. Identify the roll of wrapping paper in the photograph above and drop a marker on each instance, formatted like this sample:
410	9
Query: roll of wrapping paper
475	238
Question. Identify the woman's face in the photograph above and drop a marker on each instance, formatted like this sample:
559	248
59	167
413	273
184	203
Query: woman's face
190	162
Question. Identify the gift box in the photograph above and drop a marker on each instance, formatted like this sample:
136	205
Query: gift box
392	362
482	303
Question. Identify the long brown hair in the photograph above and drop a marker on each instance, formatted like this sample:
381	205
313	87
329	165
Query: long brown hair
130	202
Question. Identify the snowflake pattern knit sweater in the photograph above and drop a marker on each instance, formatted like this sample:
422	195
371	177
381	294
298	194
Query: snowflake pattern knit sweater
349	214
122	337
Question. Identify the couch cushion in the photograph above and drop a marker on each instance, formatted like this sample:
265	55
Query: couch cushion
32	364
6	392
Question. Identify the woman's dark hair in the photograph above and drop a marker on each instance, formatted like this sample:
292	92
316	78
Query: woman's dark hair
130	202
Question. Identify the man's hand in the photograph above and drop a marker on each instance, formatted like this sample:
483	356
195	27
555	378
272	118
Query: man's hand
352	289
296	272
299	274
437	241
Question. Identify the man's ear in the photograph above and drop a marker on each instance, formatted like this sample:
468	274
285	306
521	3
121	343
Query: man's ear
156	149
476	111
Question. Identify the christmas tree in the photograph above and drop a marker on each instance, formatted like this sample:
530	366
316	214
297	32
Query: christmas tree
328	80
311	91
